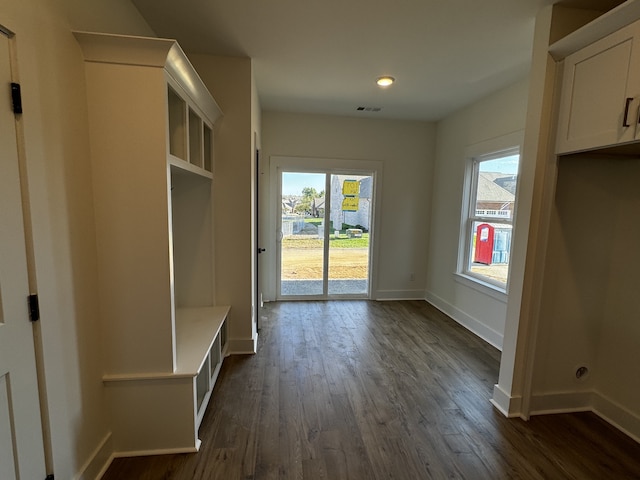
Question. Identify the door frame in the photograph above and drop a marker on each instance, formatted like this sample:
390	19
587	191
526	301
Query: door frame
256	246
328	166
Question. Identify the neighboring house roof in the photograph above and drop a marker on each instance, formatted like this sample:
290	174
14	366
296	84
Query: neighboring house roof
489	189
506	181
289	203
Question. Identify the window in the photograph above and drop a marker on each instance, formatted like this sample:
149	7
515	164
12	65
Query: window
487	222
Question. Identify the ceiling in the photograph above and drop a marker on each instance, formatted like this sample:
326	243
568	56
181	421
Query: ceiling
323	56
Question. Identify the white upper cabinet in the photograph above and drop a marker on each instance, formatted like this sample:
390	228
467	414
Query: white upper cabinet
600	97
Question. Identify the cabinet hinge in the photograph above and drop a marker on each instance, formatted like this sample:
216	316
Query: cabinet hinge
16	97
34	307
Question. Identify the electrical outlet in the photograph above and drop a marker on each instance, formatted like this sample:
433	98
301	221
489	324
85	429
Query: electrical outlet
582	372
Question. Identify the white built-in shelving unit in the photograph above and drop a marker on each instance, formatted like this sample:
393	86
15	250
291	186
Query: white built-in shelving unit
152	132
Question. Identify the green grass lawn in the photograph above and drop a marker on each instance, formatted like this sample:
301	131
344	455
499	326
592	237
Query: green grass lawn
313	242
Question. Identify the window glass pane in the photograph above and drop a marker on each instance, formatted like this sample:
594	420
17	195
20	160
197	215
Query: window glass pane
491	216
351	197
496	187
302	246
490	249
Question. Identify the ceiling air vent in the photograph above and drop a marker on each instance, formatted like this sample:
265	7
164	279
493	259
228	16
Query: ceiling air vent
368	109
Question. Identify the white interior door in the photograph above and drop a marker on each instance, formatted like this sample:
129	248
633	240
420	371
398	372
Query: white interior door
21	445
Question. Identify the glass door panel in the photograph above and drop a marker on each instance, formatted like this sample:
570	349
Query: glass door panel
302	249
350	222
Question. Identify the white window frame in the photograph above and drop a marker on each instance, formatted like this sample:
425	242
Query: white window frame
496	148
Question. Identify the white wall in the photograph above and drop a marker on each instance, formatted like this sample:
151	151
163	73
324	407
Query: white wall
405	149
51	71
589	306
499	114
229	79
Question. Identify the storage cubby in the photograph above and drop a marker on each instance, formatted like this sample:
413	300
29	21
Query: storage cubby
192	238
195	139
208	149
151	128
223	335
203	380
589	305
177	109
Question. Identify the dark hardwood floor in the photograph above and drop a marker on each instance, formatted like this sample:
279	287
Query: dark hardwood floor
378	390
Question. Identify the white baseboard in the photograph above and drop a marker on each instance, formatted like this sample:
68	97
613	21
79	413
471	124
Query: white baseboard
611	412
618	416
389	295
146	453
561	402
136	453
506	404
474	325
99	461
242	346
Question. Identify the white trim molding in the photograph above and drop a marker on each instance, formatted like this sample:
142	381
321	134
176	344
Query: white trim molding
486	333
509	406
588	401
99	461
387	295
242	346
561	402
617	415
483	287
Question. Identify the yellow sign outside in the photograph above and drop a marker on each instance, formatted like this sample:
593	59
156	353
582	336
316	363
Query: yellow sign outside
350	204
350	187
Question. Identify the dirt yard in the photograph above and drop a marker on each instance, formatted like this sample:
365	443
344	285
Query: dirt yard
306	263
497	272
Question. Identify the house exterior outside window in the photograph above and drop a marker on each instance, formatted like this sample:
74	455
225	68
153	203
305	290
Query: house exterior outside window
488	217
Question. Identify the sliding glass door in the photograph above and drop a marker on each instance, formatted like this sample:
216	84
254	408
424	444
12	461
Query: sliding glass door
325	234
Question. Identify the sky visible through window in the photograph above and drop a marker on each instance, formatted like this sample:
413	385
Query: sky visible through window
294	182
507	165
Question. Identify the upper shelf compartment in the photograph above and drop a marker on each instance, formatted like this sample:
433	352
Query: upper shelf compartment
191	110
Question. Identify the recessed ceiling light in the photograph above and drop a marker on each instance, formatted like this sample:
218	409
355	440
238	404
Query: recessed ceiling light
385	81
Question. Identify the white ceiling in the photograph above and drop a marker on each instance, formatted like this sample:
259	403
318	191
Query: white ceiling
323	56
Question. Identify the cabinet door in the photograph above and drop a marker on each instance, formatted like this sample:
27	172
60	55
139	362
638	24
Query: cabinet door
600	93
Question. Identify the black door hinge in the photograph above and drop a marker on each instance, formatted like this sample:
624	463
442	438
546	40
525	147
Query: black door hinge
34	307
49	477
16	97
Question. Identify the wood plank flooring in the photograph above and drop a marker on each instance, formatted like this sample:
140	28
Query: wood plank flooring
369	390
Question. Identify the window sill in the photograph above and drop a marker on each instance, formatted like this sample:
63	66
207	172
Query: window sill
477	284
